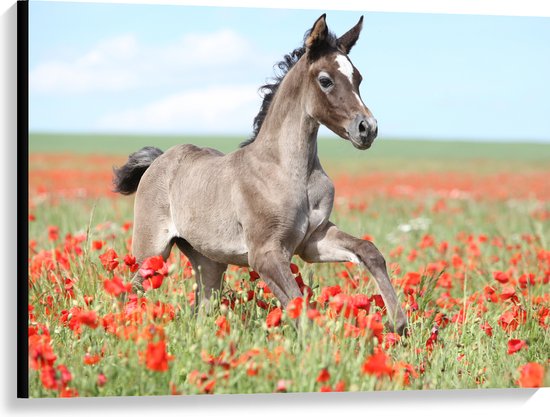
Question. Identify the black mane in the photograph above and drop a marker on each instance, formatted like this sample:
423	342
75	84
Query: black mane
268	90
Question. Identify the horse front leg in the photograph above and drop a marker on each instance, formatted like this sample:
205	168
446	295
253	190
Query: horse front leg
273	265
329	244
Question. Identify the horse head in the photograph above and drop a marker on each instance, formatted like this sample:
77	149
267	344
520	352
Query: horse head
333	97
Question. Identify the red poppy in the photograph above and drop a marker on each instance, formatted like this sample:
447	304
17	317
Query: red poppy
116	286
342	303
486	327
457	261
252	369
191	298
154	265
97	244
490	294
509	293
263	286
432	339
156	358
373	322
68	393
543	315
109	259
407	371
323	376
48	378
253	275
306	291
53	233
378	301
360	301
274	317
101	380
282	385
531	375
412	278
378	364
40	351
91	359
208	388
130	261
152	283
511	319
250	294
294	307
501	277
515	345
352	331
313	313
174	389
88	318
391	339
328	292
223	326
57	378
340	386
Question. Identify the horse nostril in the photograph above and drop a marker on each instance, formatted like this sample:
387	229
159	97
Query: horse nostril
362	127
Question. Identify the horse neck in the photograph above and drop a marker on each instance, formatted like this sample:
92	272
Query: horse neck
288	135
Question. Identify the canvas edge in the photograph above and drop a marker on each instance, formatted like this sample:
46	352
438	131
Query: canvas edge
22	197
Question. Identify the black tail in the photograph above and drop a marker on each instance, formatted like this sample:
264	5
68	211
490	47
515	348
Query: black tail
126	178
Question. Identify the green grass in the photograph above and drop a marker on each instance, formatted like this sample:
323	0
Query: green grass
386	153
464	356
488	235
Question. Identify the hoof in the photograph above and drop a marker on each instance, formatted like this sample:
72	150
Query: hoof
399	326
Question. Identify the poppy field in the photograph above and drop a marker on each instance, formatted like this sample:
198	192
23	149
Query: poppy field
464	228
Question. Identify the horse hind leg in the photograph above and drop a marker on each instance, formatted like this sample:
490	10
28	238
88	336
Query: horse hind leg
208	275
151	237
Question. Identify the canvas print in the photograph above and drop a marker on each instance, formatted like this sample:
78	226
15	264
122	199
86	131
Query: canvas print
238	200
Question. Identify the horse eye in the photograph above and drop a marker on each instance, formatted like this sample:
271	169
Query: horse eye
325	82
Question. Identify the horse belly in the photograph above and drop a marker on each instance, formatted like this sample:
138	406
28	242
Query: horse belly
228	248
219	238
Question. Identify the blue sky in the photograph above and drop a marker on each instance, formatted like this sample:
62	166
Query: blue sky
196	70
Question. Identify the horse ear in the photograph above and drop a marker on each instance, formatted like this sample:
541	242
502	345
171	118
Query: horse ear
348	39
318	32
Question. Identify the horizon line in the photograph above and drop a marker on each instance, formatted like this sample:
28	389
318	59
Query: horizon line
536	141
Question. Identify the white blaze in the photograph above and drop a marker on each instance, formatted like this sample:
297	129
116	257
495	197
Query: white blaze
359	99
345	67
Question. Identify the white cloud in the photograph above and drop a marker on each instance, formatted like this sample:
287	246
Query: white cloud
199	50
124	63
217	109
104	68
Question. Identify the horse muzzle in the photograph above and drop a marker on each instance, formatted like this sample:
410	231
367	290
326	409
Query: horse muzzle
362	131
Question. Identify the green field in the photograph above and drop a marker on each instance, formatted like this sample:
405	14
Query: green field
471	273
386	153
